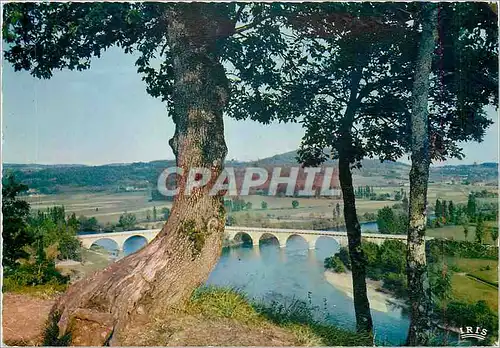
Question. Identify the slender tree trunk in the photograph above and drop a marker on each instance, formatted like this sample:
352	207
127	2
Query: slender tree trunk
361	304
418	282
101	308
358	262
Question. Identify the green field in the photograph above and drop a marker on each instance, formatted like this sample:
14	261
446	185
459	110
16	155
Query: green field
468	289
107	207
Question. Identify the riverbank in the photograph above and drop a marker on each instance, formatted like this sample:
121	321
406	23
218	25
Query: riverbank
379	300
212	317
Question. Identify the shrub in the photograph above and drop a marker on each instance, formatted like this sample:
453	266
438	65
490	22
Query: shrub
335	264
477	314
396	283
464	249
343	255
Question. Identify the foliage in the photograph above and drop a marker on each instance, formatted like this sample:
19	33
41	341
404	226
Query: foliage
460	314
464	249
494	234
263	205
343	255
391	223
52	228
471	207
480	229
88	224
295	204
230	220
335	264
39	268
165	212
386	262
396	283
15	222
127	221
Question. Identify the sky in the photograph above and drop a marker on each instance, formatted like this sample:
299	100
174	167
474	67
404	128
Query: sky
104	115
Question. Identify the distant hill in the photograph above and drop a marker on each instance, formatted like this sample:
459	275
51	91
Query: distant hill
143	175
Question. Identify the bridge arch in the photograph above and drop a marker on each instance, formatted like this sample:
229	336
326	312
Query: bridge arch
329	240
128	246
245	238
303	237
109	244
269	238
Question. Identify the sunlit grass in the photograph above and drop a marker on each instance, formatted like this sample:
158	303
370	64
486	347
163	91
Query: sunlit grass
216	302
44	291
484	269
470	291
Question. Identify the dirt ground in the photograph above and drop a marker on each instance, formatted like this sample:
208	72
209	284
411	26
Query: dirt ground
24	319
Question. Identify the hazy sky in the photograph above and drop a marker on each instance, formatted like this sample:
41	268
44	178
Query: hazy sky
104	115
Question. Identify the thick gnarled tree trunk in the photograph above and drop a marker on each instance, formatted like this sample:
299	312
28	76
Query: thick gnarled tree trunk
418	282
102	308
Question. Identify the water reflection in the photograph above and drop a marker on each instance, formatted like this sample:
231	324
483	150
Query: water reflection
269	273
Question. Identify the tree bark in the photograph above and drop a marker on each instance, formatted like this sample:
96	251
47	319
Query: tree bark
361	304
346	158
418	282
101	308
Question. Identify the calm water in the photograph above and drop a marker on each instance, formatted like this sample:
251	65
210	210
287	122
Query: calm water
269	273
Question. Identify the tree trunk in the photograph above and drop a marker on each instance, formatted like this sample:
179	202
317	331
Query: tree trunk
101	308
418	282
346	158
361	304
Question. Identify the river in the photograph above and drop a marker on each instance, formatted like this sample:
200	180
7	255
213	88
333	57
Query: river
268	273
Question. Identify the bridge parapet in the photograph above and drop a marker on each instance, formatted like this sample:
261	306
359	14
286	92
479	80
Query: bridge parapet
255	233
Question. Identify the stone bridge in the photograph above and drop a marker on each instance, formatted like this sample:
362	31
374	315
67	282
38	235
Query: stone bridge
235	233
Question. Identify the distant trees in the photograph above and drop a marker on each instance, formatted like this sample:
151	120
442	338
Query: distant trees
335	264
451	212
398	196
480	229
88	224
405	204
52	228
471	207
165	212
127	221
390	222
466	229
263	205
494	233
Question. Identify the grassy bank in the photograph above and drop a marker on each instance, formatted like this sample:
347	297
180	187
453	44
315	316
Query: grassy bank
223	316
466	288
